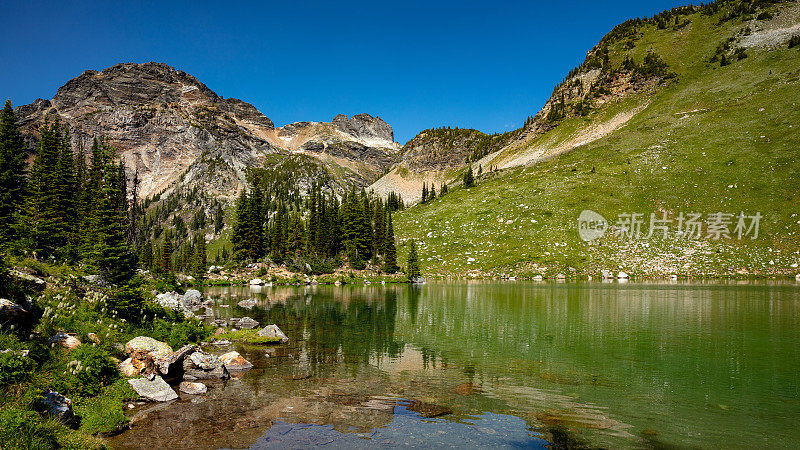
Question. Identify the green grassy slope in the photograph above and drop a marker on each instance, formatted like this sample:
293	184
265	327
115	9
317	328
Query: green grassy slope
719	139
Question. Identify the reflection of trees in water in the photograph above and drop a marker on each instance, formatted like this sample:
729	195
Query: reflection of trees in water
337	325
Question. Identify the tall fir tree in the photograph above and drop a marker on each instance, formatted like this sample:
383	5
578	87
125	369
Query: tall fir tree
389	249
46	222
412	269
13	180
115	258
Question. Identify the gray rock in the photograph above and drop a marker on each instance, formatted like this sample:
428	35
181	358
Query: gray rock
170	366
274	332
59	406
192	298
156	390
205	361
247	322
192	388
203	366
12	313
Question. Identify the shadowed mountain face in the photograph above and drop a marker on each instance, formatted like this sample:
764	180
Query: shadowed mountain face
175	131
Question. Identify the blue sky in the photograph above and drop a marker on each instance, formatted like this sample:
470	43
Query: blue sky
483	65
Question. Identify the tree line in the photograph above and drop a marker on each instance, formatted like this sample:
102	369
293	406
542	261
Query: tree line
315	232
63	208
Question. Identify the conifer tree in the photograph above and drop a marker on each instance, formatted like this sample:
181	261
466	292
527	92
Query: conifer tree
65	186
424	193
412	269
12	176
200	258
115	259
469	180
45	211
389	249
379	227
165	264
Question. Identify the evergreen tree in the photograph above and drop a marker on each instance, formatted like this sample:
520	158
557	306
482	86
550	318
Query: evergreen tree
389	249
469	180
443	191
200	257
65	186
239	237
379	227
424	193
45	210
165	264
115	259
412	270
12	176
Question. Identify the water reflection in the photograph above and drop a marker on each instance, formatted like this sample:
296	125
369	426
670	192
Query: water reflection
594	364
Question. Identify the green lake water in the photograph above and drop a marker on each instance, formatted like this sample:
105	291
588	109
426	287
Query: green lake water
502	365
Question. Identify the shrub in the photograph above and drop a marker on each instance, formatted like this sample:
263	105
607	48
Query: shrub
89	370
794	41
128	303
178	334
14	367
764	16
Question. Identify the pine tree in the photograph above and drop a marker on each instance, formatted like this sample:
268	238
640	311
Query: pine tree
432	193
389	249
469	180
45	211
200	258
239	237
165	264
412	270
443	191
379	234
65	186
115	260
424	193
12	176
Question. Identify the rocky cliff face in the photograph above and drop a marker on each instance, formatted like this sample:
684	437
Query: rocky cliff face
173	130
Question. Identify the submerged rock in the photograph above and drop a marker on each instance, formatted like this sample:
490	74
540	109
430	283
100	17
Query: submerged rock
274	332
428	410
192	388
156	390
235	361
248	304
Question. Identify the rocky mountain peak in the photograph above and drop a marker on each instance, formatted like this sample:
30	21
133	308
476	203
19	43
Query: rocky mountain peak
364	126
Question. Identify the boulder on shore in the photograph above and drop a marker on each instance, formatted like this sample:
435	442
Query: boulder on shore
235	361
156	390
274	332
192	388
192	298
126	368
203	366
256	282
622	276
147	345
170	365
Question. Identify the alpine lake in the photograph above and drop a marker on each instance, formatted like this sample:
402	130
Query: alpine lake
501	365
